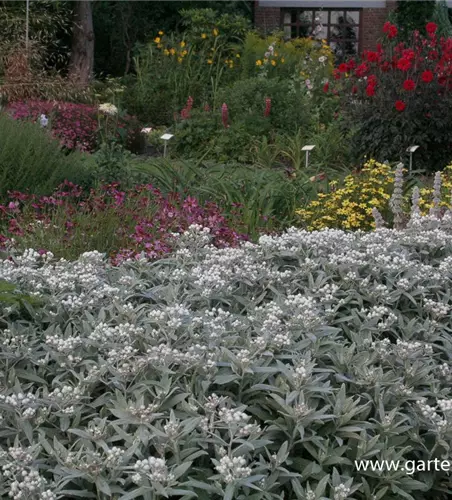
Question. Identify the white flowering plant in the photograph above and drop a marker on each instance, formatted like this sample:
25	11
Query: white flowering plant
259	372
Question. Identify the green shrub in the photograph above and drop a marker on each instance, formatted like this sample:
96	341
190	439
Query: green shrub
410	16
204	133
30	160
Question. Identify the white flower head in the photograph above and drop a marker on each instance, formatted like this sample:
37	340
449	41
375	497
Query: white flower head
108	109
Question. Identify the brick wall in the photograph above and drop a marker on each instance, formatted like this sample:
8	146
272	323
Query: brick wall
372	24
267	19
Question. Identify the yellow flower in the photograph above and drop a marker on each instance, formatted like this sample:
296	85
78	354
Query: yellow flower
157	40
183	44
273	63
258	62
184	53
238	56
283	60
172	51
265	61
209	61
160	33
203	36
166	52
276	54
215	32
179	59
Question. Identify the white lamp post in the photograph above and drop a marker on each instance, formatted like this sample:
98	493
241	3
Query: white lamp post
411	150
166	138
307	149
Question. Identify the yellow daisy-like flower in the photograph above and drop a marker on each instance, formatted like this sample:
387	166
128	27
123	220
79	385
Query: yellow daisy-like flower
183	44
209	61
157	39
179	59
215	32
184	52
161	33
283	60
203	36
273	63
238	56
172	51
258	62
166	52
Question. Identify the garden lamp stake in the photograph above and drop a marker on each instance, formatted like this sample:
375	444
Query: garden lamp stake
307	149
166	138
411	150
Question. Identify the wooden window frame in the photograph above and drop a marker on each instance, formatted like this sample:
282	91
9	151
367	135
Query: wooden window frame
298	24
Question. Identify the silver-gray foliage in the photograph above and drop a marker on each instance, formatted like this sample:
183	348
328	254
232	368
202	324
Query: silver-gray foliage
260	372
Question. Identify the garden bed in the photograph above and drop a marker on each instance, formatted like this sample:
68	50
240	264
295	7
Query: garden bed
259	372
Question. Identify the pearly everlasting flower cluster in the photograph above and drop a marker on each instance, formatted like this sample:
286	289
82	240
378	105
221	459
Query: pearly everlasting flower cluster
160	366
153	468
233	469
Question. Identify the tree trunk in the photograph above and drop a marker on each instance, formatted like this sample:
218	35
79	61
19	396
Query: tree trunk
82	55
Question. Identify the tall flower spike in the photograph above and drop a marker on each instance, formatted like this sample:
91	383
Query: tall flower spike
434	211
378	218
397	197
415	199
268	107
225	115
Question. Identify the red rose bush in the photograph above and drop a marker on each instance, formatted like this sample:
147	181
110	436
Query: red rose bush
399	95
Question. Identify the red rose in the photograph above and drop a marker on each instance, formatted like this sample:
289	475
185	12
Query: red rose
403	64
336	74
326	87
370	90
431	28
361	70
400	105
427	76
408	54
372	56
342	68
392	32
385	66
409	85
354	89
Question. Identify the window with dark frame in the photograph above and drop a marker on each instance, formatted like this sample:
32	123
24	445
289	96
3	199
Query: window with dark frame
339	27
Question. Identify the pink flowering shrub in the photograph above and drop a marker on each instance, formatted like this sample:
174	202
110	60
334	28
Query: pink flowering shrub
123	224
76	126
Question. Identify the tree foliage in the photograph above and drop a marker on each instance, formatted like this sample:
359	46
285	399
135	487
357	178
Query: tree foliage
413	15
